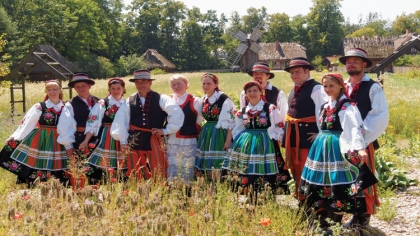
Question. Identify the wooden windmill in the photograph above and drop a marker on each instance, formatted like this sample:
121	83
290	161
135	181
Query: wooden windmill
248	49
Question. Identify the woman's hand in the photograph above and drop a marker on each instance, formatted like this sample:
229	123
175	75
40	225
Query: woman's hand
8	140
363	156
83	145
227	144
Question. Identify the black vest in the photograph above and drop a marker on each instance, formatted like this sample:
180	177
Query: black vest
48	116
260	121
148	116
212	112
336	124
301	106
190	128
107	119
81	109
363	102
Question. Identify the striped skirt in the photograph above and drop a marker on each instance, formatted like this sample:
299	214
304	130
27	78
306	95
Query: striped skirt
210	151
40	155
327	176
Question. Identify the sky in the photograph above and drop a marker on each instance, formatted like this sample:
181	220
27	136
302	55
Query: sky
351	9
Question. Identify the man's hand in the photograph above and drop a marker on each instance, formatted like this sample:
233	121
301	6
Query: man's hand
364	157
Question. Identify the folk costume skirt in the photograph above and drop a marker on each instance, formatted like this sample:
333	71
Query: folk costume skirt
40	156
181	160
106	155
257	160
210	151
328	178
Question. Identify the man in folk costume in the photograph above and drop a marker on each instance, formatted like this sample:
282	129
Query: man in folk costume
72	123
305	101
141	122
371	102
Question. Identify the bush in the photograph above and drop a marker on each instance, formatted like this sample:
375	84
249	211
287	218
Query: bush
157	71
126	65
96	67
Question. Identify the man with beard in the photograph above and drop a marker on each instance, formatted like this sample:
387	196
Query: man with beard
370	100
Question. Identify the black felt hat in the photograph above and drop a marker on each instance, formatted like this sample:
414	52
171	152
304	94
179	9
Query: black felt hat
80	77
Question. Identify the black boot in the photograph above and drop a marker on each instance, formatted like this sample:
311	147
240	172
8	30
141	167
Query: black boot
364	219
354	222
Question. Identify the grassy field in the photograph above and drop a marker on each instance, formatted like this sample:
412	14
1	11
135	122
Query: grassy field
155	208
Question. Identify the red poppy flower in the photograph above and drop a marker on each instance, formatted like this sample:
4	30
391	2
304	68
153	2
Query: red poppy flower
244	180
27	197
215	111
12	144
18	216
111	170
265	221
126	192
113	180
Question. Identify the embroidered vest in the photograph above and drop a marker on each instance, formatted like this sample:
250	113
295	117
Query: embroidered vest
49	116
257	121
190	128
331	122
81	110
110	112
212	112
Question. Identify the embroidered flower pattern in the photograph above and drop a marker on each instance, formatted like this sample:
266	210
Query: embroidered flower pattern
325	193
111	111
259	119
12	166
232	113
92	118
43	175
210	112
354	158
11	145
49	116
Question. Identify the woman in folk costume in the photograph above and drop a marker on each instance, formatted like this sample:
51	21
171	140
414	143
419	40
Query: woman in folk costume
216	134
38	155
181	148
107	156
255	153
333	162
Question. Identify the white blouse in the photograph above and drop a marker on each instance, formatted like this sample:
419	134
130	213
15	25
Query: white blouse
377	119
198	104
281	102
275	131
93	125
121	124
227	113
352	137
30	120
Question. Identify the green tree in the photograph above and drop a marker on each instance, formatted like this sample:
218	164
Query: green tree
253	18
368	32
410	22
324	28
299	30
279	28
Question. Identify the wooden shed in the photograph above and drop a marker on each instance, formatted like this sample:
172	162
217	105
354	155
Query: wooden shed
279	54
157	60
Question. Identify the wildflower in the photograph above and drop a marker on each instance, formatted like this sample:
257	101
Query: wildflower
265	221
111	170
126	192
113	180
26	197
18	216
244	180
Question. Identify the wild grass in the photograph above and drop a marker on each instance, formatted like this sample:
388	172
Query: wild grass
158	208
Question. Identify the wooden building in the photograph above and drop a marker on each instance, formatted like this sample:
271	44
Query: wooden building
279	54
156	60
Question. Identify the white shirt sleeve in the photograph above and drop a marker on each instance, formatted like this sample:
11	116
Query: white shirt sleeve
319	97
377	119
227	115
94	121
175	118
198	106
242	100
275	131
352	137
66	127
121	124
29	122
239	125
282	105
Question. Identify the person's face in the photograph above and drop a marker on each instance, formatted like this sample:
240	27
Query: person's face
143	85
253	94
260	77
53	91
116	91
355	66
331	87
178	86
82	88
208	85
299	75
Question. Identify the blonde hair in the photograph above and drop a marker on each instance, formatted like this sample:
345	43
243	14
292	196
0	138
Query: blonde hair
52	83
179	77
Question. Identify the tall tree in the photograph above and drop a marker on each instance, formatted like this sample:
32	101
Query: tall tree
253	17
324	28
299	29
407	22
279	28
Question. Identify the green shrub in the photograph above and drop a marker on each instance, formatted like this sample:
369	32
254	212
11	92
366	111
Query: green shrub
157	71
126	65
96	67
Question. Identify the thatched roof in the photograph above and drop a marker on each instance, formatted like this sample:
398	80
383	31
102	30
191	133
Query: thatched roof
376	47
157	60
283	51
52	52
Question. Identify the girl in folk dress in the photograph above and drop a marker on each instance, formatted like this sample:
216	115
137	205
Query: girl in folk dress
255	153
333	162
107	156
182	146
38	155
215	136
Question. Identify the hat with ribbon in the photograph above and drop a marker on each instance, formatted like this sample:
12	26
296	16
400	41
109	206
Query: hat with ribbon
80	77
356	52
141	74
261	67
299	62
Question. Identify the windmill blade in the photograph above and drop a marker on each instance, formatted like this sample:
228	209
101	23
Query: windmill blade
240	35
256	34
232	58
241	48
255	47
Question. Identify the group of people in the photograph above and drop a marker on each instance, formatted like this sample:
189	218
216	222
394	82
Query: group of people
328	129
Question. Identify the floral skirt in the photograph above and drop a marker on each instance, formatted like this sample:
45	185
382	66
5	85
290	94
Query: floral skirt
210	144
257	159
38	156
328	177
181	160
